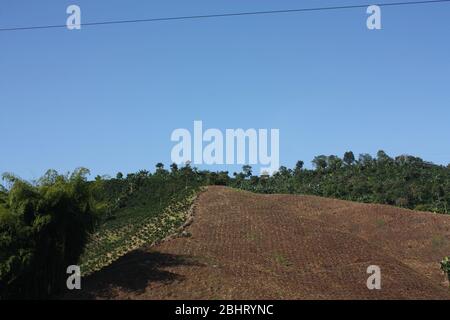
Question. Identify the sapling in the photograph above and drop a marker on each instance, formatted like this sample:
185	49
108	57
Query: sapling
445	266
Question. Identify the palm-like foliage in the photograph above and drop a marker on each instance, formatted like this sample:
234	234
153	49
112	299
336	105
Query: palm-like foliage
43	229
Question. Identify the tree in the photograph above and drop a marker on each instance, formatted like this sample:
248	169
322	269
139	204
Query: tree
49	177
79	173
365	159
160	169
334	162
43	229
284	172
247	170
349	158
320	162
383	157
143	173
223	178
298	167
174	168
119	176
187	173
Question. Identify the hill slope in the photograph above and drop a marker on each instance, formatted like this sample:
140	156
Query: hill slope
250	246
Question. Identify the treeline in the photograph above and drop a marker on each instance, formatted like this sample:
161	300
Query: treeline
403	181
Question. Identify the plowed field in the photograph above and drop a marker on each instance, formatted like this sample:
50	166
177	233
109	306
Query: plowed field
248	246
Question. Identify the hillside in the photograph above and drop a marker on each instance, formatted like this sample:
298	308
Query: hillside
248	246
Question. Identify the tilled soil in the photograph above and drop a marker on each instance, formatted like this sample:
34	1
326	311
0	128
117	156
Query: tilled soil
248	246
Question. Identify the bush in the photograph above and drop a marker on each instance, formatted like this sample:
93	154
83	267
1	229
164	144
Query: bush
445	266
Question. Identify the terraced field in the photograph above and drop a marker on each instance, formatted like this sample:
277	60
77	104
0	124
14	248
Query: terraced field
112	242
248	246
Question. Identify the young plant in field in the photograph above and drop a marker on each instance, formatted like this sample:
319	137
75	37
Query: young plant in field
445	266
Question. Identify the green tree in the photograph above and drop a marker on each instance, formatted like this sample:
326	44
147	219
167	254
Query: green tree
365	159
159	167
174	168
247	171
349	158
43	229
320	162
298	167
383	157
334	162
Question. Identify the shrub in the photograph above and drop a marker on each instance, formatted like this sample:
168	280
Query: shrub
445	266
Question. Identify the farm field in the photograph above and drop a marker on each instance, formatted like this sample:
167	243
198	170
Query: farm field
243	245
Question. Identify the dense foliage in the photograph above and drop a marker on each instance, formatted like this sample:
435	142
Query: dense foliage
142	208
63	220
43	229
404	181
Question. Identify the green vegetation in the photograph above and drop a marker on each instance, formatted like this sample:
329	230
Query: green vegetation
116	239
43	229
64	220
404	181
281	260
380	223
445	266
61	220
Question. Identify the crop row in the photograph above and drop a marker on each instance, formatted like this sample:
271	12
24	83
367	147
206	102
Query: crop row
109	244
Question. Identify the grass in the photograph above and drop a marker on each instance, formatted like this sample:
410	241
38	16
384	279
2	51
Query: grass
380	223
282	260
252	236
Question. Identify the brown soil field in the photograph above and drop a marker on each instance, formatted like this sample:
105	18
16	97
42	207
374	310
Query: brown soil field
249	246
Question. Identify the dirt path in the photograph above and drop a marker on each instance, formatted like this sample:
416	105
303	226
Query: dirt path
249	246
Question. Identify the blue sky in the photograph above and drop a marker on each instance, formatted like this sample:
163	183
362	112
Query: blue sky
109	97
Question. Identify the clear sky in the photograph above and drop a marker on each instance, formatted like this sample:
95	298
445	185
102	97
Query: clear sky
108	97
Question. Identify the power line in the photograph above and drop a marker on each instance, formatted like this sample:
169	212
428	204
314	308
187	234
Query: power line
235	14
